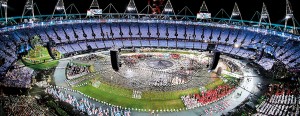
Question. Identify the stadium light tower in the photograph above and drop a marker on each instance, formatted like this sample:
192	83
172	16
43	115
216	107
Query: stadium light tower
94	9
4	6
95	4
110	9
185	12
223	15
168	10
130	10
264	16
71	10
236	14
59	7
289	15
27	8
204	8
147	11
204	13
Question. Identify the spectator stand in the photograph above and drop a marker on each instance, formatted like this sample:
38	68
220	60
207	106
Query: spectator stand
76	70
18	76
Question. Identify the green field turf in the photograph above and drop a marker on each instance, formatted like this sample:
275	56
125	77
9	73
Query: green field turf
39	59
217	82
42	66
39	52
153	100
228	77
154	95
123	97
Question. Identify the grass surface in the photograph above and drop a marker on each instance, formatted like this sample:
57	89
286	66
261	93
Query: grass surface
217	82
39	59
39	52
154	95
231	80
227	76
41	66
123	97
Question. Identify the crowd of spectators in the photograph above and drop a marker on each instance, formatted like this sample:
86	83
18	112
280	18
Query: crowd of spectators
147	50
208	97
266	63
88	58
74	70
85	105
22	106
282	99
233	67
18	76
7	54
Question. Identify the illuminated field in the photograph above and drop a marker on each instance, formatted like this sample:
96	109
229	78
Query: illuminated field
123	97
116	88
154	100
39	59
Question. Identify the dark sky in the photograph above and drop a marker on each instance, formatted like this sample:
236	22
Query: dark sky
276	8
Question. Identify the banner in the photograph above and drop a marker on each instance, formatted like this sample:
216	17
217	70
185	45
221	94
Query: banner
203	15
93	12
96	11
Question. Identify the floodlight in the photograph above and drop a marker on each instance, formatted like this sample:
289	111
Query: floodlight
168	10
59	8
235	14
130	8
288	16
4	4
236	45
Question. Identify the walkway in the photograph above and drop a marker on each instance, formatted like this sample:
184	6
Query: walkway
60	73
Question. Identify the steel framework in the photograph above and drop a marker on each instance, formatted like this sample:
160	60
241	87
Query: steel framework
168	11
290	16
236	14
60	7
260	19
131	10
4	6
264	17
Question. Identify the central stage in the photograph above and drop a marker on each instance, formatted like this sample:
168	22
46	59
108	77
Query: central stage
159	64
159	72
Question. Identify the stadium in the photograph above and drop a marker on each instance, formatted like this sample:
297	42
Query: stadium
152	61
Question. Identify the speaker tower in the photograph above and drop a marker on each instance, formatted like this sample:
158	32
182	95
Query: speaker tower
211	47
114	56
49	46
215	60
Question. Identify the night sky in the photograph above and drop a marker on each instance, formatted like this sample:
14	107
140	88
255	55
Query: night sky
276	8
